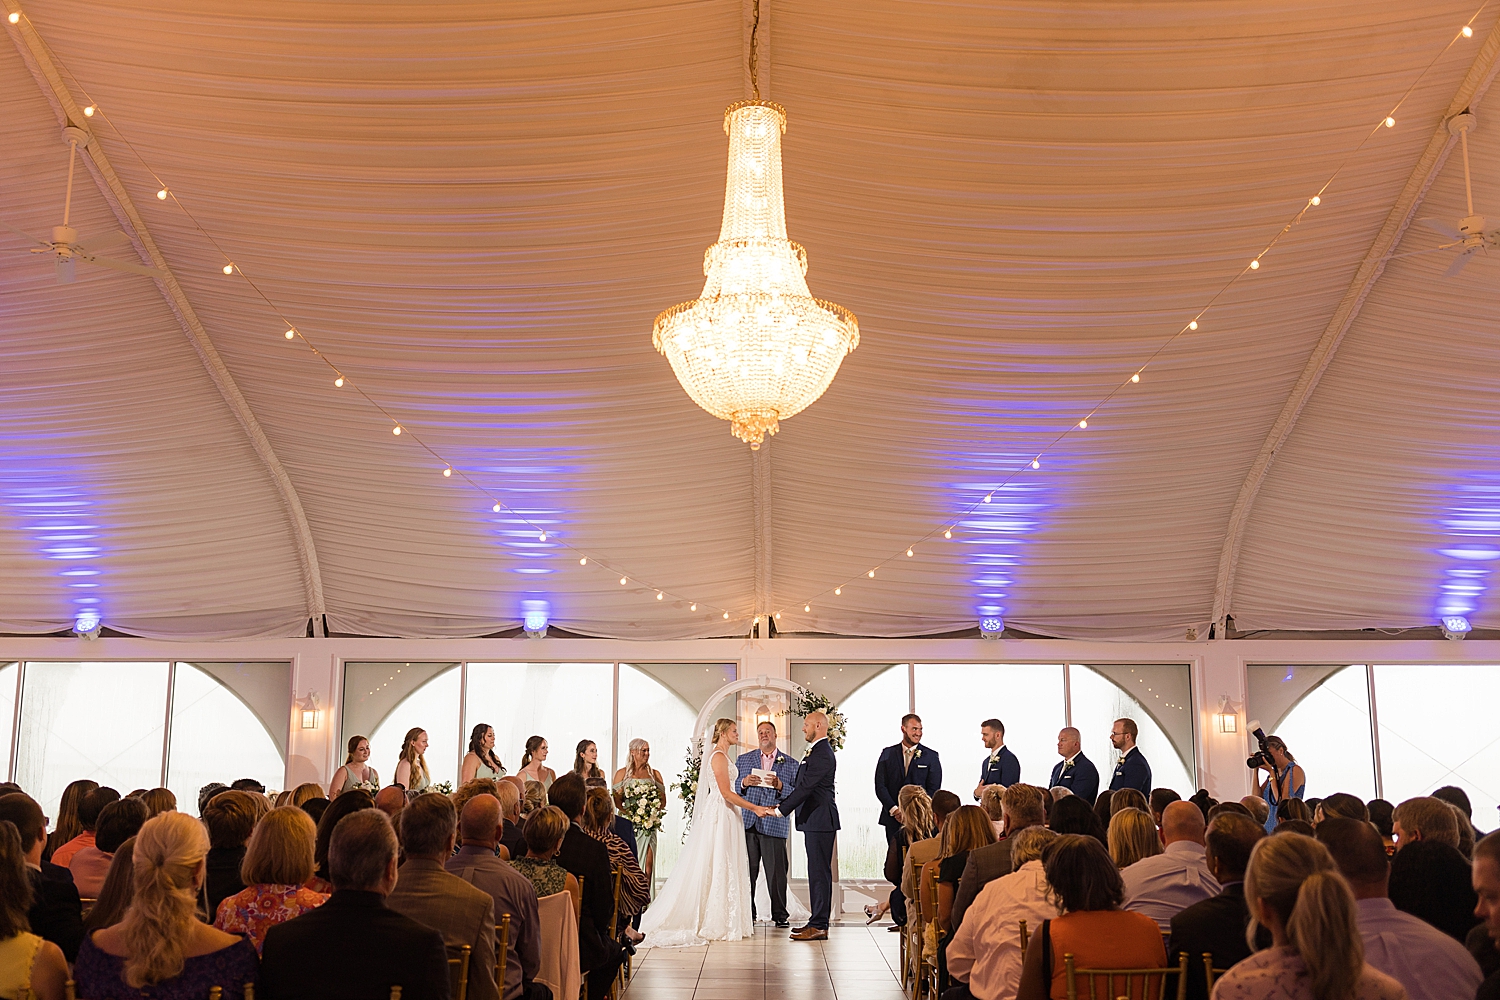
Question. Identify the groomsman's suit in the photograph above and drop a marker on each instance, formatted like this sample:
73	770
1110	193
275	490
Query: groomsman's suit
1000	768
1133	771
1081	778
925	770
765	837
817	816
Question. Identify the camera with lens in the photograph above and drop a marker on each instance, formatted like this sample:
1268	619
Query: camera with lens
1262	757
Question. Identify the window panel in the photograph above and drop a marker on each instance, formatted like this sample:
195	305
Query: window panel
382	701
217	737
1102	694
1437	728
1323	714
953	699
102	721
562	702
9	673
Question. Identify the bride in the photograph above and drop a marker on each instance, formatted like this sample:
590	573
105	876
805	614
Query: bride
707	896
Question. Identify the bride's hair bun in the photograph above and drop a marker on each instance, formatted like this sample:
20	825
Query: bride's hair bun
721	726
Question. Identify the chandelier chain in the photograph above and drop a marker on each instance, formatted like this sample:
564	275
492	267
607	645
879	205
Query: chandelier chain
754	53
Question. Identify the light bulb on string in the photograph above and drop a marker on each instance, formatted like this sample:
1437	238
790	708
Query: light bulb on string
1390	122
1316	200
988	497
1083	425
837	591
807	607
692	607
623	581
1192	324
496	508
1466	31
909	553
726	615
447	472
228	268
1036	463
290	334
948	533
778	616
338	383
15	18
1136	377
88	112
659	595
871	574
1255	265
161	194
396	430
542	537
583	560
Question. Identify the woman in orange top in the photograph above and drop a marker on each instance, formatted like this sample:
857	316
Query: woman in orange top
1093	928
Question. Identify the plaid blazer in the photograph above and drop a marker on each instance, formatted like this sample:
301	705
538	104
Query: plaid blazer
786	770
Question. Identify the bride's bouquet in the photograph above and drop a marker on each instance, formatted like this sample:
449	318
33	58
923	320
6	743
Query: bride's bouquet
643	807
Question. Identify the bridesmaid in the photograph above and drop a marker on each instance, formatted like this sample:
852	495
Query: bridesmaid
586	761
638	771
532	768
480	761
356	770
411	769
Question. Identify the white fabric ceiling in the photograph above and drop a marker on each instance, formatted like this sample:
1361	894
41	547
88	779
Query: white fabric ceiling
476	210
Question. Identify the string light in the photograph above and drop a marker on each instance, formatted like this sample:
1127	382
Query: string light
289	334
447	473
837	591
88	112
496	508
910	553
948	533
1083	425
1390	122
660	595
396	430
583	560
228	268
988	497
1036	463
692	607
807	607
1316	201
871	574
726	615
541	537
1192	324
338	383
1255	265
1136	377
161	195
1466	31
623	581
15	18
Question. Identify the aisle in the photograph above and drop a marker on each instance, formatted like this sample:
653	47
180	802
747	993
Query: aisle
853	962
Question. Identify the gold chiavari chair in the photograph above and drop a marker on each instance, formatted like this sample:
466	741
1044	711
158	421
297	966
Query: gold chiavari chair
932	970
911	940
1149	981
458	967
395	993
618	986
1025	939
1210	974
583	984
502	949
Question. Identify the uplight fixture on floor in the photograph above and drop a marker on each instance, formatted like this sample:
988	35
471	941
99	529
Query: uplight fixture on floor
755	348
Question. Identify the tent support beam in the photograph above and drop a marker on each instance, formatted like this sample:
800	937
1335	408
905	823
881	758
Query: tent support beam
1478	79
760	500
34	53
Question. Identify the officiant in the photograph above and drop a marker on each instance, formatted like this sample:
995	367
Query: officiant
765	837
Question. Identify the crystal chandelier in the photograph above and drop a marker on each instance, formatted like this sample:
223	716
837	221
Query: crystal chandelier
755	348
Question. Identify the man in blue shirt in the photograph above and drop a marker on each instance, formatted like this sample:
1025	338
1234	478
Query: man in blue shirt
1133	771
1001	766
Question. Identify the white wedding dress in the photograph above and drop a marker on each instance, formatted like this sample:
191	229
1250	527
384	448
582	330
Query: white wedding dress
707	896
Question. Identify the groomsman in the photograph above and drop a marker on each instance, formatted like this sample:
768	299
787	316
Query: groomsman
906	763
1075	772
1133	771
765	837
1000	767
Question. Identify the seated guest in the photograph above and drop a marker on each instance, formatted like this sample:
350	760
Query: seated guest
477	865
984	954
1128	798
967	829
916	825
1293	887
117	823
1101	807
54	913
347	802
1160	799
1093	927
1216	925
1203	801
208	791
1132	836
1298	826
118	892
1430	964
160	949
391	800
314	809
532	799
544	836
1487	888
1071	815
1260	809
1021	807
1341	804
1459	799
230	816
1289	810
306	792
29	965
1383	815
511	839
310	955
1229	807
1424	818
66	826
599	954
990	802
247	785
428	894
1164	885
159	800
88	814
1433	881
944	805
597	821
278	861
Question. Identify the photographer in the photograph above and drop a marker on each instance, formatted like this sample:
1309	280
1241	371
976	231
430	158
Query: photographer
1284	778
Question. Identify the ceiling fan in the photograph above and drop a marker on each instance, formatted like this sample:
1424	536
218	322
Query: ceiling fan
1469	236
64	245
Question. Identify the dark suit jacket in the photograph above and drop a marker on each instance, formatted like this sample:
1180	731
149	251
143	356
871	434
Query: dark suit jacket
1082	779
463	914
1133	771
1217	925
223	876
812	800
926	771
625	830
512	840
392	950
56	912
589	858
1006	770
985	864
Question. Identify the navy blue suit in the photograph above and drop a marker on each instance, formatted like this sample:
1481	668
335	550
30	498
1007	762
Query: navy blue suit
1133	772
926	772
1082	779
1002	769
817	814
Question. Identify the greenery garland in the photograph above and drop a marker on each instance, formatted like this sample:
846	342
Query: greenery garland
687	785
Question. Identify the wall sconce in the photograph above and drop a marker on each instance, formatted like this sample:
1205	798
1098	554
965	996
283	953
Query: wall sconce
762	713
1226	718
309	709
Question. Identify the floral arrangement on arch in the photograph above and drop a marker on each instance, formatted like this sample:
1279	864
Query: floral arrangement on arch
643	807
686	786
806	702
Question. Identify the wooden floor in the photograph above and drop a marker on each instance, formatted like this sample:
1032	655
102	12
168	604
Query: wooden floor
855	961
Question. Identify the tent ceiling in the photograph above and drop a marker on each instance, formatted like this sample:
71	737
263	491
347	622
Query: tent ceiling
476	211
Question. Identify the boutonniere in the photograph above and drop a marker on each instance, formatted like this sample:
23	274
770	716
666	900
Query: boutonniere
780	759
916	753
1067	765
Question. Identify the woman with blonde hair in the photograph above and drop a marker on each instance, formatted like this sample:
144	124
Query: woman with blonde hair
1293	887
917	823
411	769
304	793
158	801
1132	836
27	963
965	830
160	949
278	863
991	801
638	778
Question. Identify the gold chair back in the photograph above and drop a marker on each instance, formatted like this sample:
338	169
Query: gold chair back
457	967
502	950
1138	984
1025	938
395	993
1210	974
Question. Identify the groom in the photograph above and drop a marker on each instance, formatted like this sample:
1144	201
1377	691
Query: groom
818	819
